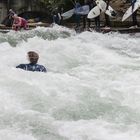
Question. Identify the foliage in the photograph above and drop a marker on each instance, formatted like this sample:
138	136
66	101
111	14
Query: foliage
52	4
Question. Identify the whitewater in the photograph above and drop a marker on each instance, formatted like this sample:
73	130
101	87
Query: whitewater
90	92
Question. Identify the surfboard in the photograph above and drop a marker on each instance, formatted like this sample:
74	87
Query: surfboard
110	12
4	31
68	14
131	10
94	12
84	10
102	5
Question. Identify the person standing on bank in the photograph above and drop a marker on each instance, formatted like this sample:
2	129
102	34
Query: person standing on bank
134	15
107	20
77	16
61	11
32	66
57	17
85	19
8	21
97	19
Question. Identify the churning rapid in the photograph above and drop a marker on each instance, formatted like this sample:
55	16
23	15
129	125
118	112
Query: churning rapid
91	90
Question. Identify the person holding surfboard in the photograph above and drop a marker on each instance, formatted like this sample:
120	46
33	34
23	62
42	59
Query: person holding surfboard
85	19
77	16
8	21
97	19
57	17
134	15
107	20
132	10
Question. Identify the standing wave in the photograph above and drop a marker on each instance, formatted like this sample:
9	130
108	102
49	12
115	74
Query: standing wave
91	90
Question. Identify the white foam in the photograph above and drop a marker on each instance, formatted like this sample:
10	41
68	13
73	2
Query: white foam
91	90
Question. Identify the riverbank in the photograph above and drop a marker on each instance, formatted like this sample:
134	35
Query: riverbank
116	26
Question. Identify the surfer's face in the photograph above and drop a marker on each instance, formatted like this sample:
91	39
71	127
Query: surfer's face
32	57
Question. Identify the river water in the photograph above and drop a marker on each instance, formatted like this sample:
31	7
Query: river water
91	90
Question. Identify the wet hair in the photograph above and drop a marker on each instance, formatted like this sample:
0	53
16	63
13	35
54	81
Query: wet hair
33	57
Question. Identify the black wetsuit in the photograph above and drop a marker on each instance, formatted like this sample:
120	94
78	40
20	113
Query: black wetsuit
97	19
32	67
134	15
77	16
107	20
85	19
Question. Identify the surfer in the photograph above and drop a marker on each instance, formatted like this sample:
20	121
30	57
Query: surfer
134	15
19	23
8	21
57	17
32	66
97	19
11	13
61	11
107	20
77	16
85	19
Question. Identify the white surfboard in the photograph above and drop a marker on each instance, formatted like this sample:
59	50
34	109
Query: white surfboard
110	11
130	11
94	12
84	10
68	14
102	5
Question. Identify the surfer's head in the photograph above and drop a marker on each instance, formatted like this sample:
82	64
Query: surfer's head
33	57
